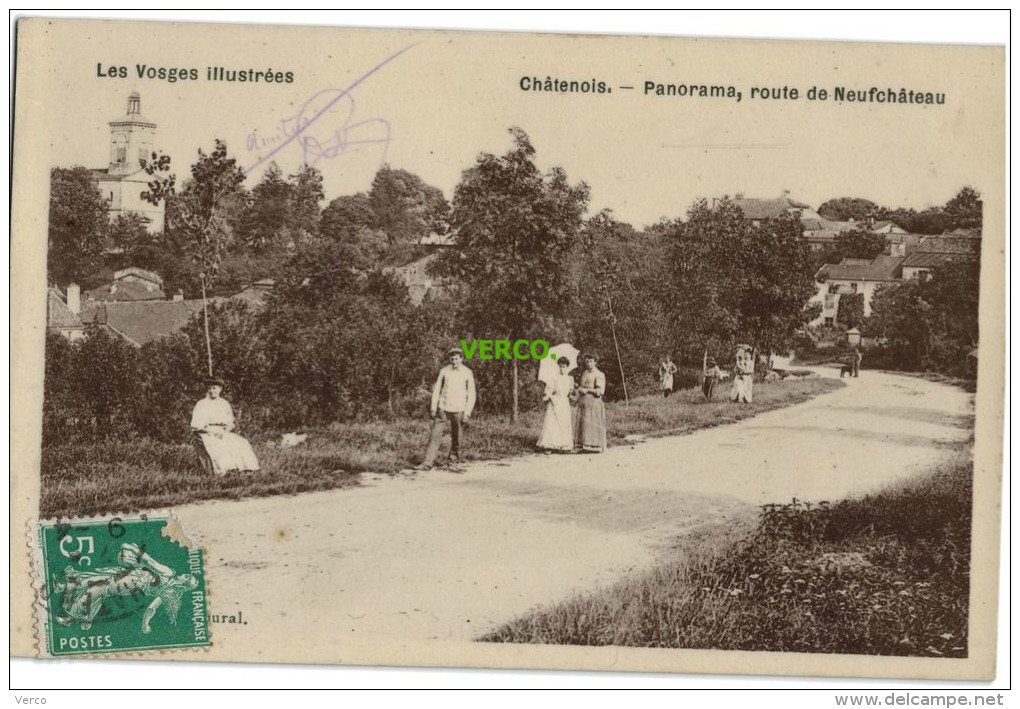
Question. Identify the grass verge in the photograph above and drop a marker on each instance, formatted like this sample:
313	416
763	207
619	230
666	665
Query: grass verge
102	477
886	574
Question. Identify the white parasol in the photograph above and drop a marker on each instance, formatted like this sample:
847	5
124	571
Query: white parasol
548	367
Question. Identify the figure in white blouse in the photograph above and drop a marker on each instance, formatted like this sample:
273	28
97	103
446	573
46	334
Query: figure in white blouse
213	422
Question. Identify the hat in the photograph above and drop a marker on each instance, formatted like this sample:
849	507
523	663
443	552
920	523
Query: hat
210	381
711	361
455	350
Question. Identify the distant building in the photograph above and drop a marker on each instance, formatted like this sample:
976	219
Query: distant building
420	284
122	182
62	313
957	247
130	284
853	276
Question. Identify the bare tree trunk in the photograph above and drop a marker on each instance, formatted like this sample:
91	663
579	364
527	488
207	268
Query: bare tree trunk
616	344
513	410
205	318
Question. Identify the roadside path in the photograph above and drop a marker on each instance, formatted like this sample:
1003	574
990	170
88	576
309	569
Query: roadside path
449	556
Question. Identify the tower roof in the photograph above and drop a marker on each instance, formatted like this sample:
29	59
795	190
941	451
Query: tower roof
134	113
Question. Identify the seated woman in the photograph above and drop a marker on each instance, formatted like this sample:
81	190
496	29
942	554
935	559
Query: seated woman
213	422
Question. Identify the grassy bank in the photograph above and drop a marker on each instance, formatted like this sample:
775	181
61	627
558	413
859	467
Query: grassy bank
113	476
883	575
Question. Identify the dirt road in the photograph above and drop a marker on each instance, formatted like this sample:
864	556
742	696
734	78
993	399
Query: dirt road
444	556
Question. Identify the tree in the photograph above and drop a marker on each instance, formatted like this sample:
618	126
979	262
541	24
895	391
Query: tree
129	230
344	216
196	212
843	209
858	243
304	212
964	210
264	222
850	312
515	228
78	227
405	207
734	280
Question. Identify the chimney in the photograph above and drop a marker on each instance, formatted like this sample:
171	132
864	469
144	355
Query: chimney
739	195
178	296
74	298
898	249
786	194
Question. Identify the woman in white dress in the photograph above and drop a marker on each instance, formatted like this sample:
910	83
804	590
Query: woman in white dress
558	427
213	422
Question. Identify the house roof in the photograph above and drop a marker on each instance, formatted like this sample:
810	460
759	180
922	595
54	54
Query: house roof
767	208
141	321
881	268
126	291
947	244
58	315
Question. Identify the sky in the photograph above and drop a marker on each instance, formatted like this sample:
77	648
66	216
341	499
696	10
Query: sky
446	98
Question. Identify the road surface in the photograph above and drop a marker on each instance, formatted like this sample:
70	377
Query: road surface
445	556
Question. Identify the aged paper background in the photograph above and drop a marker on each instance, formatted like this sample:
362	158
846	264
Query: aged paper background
468	82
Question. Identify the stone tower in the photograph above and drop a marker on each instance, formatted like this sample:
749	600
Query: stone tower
131	138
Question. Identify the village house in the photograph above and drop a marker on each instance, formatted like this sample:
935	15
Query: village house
123	180
124	307
865	276
851	276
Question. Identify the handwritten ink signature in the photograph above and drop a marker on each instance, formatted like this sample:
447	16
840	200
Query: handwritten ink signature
327	141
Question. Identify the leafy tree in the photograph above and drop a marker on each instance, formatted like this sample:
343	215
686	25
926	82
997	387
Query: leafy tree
856	243
345	215
78	227
515	228
843	209
129	230
263	224
304	212
734	280
196	213
617	306
851	310
964	210
406	208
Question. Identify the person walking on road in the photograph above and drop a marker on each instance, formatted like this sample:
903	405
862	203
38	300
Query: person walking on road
453	400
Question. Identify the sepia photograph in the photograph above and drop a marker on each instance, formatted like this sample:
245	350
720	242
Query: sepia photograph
475	349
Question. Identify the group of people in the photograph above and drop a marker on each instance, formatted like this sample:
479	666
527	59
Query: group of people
743	376
575	411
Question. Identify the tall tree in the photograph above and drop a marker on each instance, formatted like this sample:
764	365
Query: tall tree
405	207
843	209
306	194
857	243
732	279
345	215
514	230
964	210
78	227
264	221
196	212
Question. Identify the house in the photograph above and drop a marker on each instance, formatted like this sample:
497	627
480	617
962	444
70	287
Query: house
853	276
62	313
819	232
123	180
130	284
959	247
139	322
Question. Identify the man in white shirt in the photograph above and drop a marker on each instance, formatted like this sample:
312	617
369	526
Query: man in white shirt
453	400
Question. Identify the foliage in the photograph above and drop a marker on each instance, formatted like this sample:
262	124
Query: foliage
77	227
129	230
405	208
618	284
732	280
858	243
843	209
514	229
850	312
931	323
856	577
346	215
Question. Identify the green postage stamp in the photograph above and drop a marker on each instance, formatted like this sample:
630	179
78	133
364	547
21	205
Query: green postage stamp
119	585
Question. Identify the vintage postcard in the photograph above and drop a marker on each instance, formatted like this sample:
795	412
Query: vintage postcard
482	349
